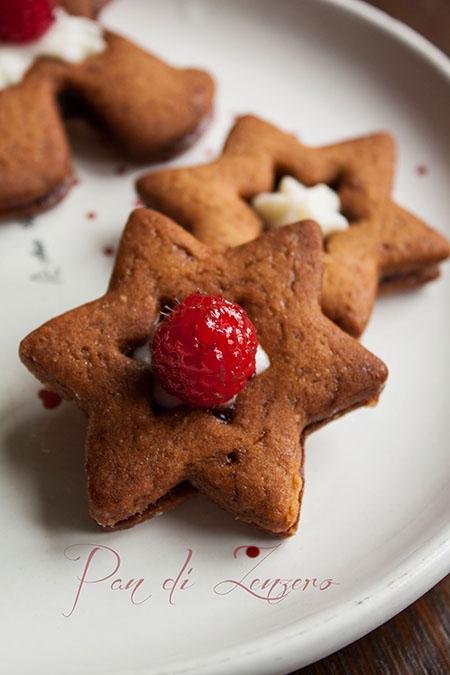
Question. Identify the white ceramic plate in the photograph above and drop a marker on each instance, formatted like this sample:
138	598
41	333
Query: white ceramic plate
375	516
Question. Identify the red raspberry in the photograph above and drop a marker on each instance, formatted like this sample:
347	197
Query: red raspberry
24	20
204	351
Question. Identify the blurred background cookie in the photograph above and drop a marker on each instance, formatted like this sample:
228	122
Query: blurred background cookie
151	110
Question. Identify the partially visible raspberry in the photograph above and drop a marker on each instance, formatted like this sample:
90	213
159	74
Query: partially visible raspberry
24	20
204	351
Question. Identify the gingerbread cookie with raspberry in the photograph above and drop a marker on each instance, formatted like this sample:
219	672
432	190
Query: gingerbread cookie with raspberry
152	110
370	241
204	370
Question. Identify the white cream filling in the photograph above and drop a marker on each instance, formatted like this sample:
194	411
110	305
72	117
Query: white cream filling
69	38
143	354
262	361
294	201
166	400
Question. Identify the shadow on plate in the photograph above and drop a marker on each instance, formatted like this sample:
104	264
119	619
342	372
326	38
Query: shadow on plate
198	513
47	458
46	454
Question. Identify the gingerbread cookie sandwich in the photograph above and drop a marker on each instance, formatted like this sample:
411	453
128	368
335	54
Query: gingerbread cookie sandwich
204	370
266	178
152	110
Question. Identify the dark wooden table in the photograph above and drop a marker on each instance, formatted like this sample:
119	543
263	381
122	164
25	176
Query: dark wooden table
416	641
429	17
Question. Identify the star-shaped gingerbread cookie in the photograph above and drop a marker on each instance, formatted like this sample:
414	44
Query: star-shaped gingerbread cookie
149	108
385	246
139	458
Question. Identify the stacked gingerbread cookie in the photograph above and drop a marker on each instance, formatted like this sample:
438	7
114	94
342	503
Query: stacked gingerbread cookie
228	330
370	242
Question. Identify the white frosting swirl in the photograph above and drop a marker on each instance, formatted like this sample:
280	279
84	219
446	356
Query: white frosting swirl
69	38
